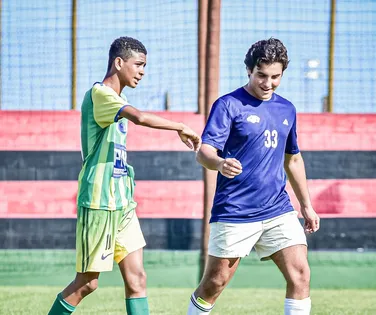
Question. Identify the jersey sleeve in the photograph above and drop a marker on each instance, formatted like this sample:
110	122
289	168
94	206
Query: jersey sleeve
292	140
107	105
218	126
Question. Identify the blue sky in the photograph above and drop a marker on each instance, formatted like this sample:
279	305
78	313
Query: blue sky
35	51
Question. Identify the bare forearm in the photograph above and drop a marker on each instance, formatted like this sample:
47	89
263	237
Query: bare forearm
150	120
208	158
156	122
296	173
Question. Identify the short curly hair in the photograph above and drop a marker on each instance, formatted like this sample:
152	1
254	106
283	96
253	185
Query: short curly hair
122	47
266	51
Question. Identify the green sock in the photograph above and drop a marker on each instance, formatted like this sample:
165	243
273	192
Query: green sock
61	307
137	306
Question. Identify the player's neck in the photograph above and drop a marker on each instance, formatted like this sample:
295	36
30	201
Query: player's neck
249	90
113	82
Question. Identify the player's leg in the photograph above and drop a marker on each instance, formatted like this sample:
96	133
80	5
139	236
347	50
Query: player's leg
284	241
228	243
95	243
129	256
218	273
67	300
293	263
134	277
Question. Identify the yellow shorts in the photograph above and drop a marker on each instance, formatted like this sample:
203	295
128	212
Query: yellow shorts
231	240
103	236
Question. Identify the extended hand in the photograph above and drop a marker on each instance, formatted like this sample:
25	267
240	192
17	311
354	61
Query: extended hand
311	220
190	138
230	167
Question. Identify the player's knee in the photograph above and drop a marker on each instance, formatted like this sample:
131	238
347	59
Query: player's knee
89	287
86	283
216	284
136	283
301	277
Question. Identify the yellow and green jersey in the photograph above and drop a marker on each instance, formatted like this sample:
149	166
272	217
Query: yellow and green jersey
106	180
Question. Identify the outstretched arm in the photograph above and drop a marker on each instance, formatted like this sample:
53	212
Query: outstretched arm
186	134
149	120
294	167
207	156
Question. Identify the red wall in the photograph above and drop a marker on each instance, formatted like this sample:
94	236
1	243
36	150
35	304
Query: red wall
176	199
59	131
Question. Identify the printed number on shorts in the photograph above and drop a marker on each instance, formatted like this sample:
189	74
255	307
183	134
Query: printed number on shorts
271	138
108	242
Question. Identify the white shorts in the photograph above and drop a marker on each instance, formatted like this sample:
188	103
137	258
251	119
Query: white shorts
231	240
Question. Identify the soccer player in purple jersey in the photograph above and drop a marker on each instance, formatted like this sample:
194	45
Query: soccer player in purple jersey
250	139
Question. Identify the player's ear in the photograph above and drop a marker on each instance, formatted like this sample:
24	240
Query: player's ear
248	72
118	63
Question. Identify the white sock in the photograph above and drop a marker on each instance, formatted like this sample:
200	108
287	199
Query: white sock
199	306
298	307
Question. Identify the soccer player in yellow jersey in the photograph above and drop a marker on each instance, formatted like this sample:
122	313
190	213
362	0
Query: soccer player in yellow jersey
107	226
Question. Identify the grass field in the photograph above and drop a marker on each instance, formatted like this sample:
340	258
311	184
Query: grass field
109	300
343	283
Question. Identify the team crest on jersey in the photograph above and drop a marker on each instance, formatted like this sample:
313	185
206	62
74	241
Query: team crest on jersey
122	126
120	161
253	119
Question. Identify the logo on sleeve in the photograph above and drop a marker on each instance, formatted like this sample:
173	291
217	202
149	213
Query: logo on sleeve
253	119
285	122
122	126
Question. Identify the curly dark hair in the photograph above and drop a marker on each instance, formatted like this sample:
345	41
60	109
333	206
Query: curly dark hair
266	51
122	47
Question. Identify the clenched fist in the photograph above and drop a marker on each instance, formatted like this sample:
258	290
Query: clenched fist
230	167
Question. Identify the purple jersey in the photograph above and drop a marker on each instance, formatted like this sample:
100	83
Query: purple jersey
258	134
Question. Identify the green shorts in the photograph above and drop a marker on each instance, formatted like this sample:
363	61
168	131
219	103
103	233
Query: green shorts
103	236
